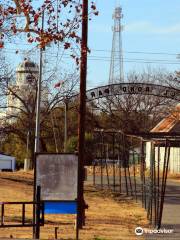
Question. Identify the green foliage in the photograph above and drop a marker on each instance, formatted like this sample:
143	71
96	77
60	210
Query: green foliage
15	147
72	143
72	146
19	164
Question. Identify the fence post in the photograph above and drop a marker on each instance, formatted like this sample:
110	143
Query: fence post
38	212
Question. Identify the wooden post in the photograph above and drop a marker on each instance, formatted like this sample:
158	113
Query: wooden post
82	117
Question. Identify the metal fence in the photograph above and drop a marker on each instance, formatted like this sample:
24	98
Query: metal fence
120	165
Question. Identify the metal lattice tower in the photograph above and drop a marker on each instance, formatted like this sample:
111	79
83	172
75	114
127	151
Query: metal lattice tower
116	68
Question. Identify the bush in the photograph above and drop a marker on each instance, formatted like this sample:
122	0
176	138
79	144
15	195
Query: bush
19	164
72	146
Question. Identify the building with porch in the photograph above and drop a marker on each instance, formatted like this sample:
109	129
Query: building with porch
170	124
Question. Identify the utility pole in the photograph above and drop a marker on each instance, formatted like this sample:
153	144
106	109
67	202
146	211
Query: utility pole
38	105
27	160
65	123
36	231
82	117
38	98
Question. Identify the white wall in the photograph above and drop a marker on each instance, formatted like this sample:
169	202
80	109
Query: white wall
7	162
174	160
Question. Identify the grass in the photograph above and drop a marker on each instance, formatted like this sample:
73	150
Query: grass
174	177
109	217
97	238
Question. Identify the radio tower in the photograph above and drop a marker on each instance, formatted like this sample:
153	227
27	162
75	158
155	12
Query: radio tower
116	68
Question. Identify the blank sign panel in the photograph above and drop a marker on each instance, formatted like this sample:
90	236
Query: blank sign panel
57	176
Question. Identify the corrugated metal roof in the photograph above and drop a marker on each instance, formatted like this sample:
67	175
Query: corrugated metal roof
168	123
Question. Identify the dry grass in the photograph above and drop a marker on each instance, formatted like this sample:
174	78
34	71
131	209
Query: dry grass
174	177
112	169
109	217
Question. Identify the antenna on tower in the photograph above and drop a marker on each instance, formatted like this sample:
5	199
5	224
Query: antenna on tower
116	67
117	3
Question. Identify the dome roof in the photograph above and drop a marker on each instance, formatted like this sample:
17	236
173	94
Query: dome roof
178	107
27	65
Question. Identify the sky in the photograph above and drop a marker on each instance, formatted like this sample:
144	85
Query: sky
150	26
151	37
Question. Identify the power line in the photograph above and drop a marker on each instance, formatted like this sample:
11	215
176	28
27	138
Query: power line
107	50
146	62
138	52
93	56
128	60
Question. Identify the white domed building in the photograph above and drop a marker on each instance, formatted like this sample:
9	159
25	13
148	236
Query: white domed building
27	73
23	93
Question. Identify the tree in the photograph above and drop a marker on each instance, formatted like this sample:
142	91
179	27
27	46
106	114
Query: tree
43	22
136	113
20	108
72	147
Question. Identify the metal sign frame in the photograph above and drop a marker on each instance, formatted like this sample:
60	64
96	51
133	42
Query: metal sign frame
55	196
55	201
24	222
35	176
148	89
133	88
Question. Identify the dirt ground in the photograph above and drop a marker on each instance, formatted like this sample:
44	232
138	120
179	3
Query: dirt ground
109	217
174	177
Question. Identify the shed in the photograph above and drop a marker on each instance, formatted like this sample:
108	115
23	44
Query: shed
7	162
170	124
